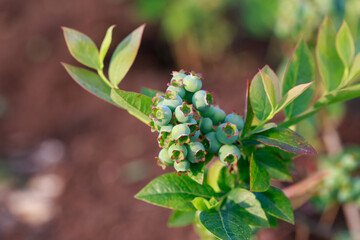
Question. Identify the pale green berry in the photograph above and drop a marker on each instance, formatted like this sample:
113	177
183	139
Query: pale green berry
196	152
227	133
178	76
181	133
182	166
195	136
210	142
184	113
202	100
163	159
206	125
179	90
229	154
208	113
172	100
235	119
164	138
218	116
177	152
192	83
162	115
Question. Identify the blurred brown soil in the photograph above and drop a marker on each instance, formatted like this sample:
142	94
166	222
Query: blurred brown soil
43	102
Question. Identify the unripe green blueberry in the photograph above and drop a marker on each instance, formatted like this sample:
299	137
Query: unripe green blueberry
181	133
164	138
210	142
177	152
196	152
184	113
193	125
179	90
192	82
218	116
208	113
182	166
206	125
162	115
235	119
202	100
163	159
178	76
172	100
229	154
227	133
195	136
157	100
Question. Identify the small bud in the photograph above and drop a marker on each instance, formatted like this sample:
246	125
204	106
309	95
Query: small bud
202	100
184	113
206	125
177	152
218	116
182	167
235	119
229	154
210	142
177	89
196	152
192	82
227	133
162	115
157	100
181	133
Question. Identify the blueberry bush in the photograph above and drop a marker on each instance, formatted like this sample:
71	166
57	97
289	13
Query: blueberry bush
234	199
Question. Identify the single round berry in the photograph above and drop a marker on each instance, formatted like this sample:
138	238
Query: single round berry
235	119
164	157
164	138
202	100
206	125
229	154
178	76
218	116
193	125
195	136
210	142
157	100
192	83
208	113
196	152
162	115
181	133
172	100
227	133
184	113
182	166
179	90
177	152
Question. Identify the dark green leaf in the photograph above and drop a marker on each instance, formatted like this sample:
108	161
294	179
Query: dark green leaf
226	180
197	171
247	207
330	65
225	225
300	70
262	128
105	45
124	56
345	44
249	114
286	140
260	98
136	104
276	204
244	170
150	92
273	164
259	176
82	48
90	81
175	192
339	96
181	218
272	221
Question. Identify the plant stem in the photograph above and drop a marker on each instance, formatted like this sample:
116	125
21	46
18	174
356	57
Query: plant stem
103	77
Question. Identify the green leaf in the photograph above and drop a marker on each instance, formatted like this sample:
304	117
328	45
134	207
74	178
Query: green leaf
247	207
90	81
275	81
249	113
330	65
225	225
226	180
259	176
150	92
124	56
136	104
181	218
286	140
262	128
354	70
201	204
276	204
262	96
345	45
300	70
273	164
197	171
291	95
82	48
175	192
105	45
339	96
272	221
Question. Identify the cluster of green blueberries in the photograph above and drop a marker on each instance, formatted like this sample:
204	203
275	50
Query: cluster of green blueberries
190	126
